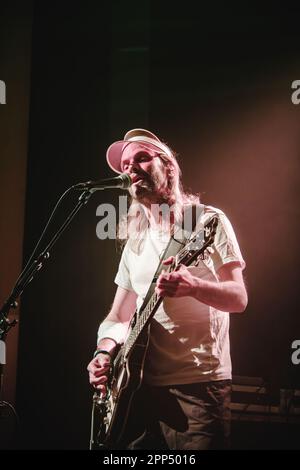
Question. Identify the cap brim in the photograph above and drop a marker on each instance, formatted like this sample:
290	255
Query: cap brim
115	150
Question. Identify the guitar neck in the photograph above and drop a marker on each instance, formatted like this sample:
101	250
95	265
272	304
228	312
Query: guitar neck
142	320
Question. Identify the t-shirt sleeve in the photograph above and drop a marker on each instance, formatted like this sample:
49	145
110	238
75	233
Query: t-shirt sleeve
122	278
225	248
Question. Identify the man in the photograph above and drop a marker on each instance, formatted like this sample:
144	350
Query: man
184	400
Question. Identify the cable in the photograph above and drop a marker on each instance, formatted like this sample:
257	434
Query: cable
8	405
12	437
42	235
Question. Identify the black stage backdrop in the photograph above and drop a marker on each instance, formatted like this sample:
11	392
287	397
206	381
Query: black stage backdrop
215	83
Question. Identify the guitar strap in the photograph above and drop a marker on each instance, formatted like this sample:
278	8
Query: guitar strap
178	239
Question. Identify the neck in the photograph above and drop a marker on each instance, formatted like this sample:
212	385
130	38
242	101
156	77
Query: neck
159	213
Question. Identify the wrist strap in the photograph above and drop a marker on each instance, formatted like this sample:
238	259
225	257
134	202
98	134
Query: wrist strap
101	351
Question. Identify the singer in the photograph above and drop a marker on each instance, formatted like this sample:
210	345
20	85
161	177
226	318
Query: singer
184	399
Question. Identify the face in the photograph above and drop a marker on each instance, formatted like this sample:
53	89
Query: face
147	171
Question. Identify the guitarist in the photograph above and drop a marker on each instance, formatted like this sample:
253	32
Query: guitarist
185	397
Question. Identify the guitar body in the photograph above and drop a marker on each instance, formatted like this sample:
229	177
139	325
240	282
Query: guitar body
126	380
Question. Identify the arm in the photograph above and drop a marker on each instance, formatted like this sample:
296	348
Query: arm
113	329
227	294
111	332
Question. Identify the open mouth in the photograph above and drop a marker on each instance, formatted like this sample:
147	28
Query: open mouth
136	179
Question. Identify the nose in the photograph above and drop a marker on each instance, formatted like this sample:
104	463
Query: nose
133	165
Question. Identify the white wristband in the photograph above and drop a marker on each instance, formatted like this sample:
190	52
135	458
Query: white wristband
112	329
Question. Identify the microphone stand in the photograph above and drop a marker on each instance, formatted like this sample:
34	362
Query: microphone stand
25	278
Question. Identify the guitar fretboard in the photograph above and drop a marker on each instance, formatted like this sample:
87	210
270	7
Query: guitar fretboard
141	321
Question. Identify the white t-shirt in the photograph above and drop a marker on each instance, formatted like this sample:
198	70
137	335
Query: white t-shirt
189	340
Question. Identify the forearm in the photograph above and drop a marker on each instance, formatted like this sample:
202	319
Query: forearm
111	333
107	344
115	325
227	296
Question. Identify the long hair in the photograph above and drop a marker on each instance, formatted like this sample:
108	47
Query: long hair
134	225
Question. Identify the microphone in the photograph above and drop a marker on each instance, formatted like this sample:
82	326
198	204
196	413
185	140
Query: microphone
122	181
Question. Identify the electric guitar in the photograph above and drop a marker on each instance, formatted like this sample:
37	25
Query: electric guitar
126	375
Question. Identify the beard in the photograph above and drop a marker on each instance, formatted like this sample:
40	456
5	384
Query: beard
141	190
142	184
150	189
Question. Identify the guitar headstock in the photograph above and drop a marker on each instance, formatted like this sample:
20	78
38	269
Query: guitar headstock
198	244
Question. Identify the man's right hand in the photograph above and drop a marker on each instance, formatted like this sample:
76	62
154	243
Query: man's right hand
98	370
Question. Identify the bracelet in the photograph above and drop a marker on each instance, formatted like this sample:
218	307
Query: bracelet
102	351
